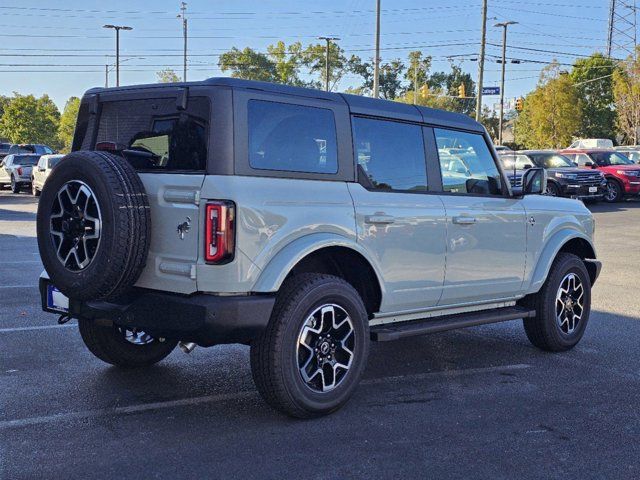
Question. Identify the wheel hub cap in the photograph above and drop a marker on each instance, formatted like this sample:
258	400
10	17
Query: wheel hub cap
325	348
75	225
569	303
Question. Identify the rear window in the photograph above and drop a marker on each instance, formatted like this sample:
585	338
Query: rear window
22	149
25	160
292	138
154	136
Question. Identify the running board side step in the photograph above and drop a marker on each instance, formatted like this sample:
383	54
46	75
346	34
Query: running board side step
395	331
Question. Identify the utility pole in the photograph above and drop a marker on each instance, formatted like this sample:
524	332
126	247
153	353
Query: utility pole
415	82
504	25
183	15
327	71
483	42
106	76
117	28
376	60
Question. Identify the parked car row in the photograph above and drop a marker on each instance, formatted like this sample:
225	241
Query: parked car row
589	174
25	166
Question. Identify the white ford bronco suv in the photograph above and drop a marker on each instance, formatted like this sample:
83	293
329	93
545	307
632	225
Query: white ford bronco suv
302	223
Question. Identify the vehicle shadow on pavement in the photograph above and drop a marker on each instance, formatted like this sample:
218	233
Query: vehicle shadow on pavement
604	207
16	215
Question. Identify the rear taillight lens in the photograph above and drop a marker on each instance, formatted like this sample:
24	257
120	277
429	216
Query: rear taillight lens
20	171
219	227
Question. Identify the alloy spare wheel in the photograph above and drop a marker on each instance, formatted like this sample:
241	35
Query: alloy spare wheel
93	226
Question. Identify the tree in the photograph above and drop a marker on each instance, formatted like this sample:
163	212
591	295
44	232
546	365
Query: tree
552	113
248	64
417	70
286	63
626	93
390	78
27	119
68	123
449	83
168	75
593	79
314	58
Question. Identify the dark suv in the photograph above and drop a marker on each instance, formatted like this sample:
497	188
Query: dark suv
30	148
564	179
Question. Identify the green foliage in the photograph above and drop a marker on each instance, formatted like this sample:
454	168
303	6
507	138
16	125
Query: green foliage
418	69
68	123
168	75
390	78
248	64
626	93
552	113
593	79
27	119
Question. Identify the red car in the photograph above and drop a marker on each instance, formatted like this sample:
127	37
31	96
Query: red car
622	174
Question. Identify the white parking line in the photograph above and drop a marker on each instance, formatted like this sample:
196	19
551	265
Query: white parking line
40	327
22	262
145	407
20	286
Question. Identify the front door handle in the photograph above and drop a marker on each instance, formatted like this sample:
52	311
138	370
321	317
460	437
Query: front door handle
379	219
464	220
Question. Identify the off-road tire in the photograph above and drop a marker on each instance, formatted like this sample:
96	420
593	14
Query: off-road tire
273	359
126	226
109	345
543	330
15	186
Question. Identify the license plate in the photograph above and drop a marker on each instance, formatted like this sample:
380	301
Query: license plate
593	189
56	300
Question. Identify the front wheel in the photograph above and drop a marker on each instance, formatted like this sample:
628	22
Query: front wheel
312	354
562	306
613	191
553	190
123	347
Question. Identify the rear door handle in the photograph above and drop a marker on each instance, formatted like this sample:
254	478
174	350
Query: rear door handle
379	219
464	220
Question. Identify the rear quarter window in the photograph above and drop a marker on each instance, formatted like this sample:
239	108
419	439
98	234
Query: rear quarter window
292	138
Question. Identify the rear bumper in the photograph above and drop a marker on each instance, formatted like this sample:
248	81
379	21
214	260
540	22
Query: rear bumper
204	319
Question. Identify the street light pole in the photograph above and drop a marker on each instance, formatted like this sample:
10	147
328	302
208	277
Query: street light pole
117	28
183	15
376	60
327	71
483	42
504	25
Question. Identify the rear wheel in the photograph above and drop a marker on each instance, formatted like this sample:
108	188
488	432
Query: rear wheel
123	347
562	306
613	191
312	354
15	186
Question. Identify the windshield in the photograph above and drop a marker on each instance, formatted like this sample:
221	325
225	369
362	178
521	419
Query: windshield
25	160
552	160
610	158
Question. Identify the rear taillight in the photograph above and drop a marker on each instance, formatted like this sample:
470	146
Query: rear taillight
219	232
20	171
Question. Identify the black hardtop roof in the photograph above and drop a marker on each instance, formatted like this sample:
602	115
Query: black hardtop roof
357	104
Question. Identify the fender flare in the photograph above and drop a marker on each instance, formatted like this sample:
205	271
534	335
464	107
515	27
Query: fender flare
282	263
549	253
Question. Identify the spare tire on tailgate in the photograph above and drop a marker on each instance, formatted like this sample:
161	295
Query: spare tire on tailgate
94	226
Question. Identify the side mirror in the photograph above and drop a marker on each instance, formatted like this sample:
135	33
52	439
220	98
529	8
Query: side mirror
41	169
534	181
575	164
590	164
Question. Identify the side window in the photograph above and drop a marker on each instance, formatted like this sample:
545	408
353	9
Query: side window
466	163
292	138
154	136
390	154
582	159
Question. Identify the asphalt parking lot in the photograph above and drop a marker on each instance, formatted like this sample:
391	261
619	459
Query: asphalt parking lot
475	403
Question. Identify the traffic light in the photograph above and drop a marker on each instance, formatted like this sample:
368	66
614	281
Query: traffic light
519	104
462	92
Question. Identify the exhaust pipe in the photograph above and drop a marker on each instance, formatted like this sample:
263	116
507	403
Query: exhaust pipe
187	347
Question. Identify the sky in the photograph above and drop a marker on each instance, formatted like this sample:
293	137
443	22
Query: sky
60	48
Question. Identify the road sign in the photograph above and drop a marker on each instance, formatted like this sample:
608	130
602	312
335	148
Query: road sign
491	90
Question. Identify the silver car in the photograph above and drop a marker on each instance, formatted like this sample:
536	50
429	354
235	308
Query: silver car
15	170
303	223
41	171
